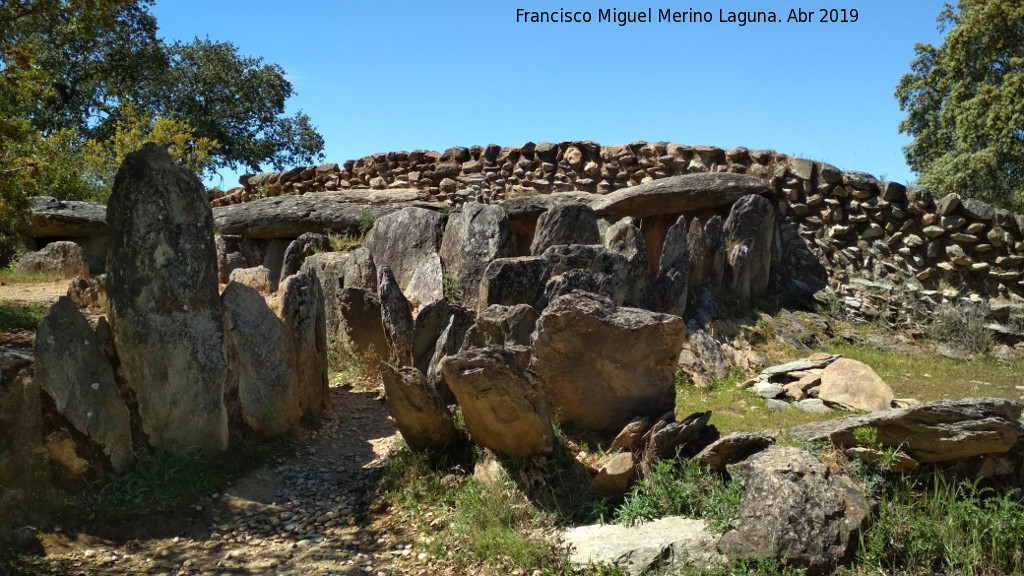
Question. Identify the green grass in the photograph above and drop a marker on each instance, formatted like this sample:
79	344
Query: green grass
161	480
14	317
930	525
467	522
682	488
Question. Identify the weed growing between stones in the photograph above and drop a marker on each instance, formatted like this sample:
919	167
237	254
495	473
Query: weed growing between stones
451	288
14	317
349	367
681	487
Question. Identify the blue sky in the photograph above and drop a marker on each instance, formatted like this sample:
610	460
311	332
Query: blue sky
377	76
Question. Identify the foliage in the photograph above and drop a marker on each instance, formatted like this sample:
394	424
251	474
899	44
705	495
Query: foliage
944	528
682	487
14	317
450	287
961	325
963	103
349	367
102	159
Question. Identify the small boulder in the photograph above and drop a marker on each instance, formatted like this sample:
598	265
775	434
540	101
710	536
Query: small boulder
502	401
606	365
795	509
853	385
258	278
62	259
421	416
616	476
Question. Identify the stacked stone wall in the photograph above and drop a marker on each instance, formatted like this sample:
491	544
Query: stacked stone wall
850	223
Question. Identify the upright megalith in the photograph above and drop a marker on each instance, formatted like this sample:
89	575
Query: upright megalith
475	236
165	312
71	368
752	222
302	310
266	367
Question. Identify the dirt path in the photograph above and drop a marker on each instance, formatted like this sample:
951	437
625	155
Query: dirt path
305	515
32	293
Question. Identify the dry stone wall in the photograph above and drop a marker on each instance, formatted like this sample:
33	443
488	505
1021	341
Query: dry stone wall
831	224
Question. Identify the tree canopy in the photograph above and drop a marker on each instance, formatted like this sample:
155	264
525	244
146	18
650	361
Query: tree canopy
965	103
97	56
84	82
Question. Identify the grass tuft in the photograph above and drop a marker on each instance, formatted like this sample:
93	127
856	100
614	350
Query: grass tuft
15	317
681	487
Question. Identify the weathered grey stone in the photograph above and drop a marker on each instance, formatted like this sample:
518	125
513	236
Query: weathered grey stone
935	432
659	544
794	509
427	328
420	414
752	222
62	259
404	241
427	282
698	252
289	216
360	323
606	365
612	272
88	292
266	362
302	310
624	238
709	353
233	252
666	439
502	401
511	281
715	241
165	312
530	208
48	217
396	316
498	326
360	270
474	237
565	224
739	261
732	448
948	204
671	286
977	209
329	269
71	368
677	194
853	385
258	278
305	245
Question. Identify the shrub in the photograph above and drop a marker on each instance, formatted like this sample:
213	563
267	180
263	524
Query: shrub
682	487
961	325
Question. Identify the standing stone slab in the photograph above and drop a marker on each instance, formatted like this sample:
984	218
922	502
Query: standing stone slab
502	401
299	249
624	238
474	237
359	323
430	323
565	224
396	317
605	365
71	368
404	240
267	375
752	222
511	281
421	415
671	287
165	312
302	310
329	269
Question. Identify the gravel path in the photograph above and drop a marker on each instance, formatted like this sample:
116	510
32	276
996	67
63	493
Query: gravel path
308	514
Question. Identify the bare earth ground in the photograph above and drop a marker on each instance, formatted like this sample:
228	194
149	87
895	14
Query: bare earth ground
32	293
